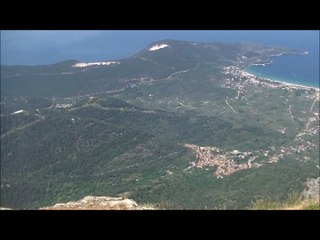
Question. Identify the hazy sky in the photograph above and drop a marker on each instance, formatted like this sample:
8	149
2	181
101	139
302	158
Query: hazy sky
47	47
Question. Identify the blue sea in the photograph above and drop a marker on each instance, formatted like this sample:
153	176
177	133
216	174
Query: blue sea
292	68
48	47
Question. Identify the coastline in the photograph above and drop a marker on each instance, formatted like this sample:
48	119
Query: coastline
277	55
275	79
261	64
298	53
281	82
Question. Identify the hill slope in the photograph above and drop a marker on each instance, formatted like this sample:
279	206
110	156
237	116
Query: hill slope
179	125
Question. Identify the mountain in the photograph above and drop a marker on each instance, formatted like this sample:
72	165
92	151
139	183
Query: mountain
180	125
66	79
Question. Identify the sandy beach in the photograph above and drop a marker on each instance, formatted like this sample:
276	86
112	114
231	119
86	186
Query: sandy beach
291	85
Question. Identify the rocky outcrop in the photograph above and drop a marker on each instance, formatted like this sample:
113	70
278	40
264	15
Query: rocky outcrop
312	190
3	208
98	203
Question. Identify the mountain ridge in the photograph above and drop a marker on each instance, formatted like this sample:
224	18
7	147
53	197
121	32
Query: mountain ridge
149	65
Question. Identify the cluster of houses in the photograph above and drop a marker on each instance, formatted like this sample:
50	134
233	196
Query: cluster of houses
226	162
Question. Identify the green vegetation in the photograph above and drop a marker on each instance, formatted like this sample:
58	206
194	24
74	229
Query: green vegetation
111	130
312	206
293	199
293	202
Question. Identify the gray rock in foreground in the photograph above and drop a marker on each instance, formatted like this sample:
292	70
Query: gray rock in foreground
312	190
98	203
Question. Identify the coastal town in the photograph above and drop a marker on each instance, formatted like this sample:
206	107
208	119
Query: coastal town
238	78
227	162
240	81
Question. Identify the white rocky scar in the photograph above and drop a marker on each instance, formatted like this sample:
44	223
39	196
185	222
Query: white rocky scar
95	64
17	112
157	47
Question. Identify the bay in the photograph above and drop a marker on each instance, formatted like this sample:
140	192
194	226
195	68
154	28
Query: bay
292	68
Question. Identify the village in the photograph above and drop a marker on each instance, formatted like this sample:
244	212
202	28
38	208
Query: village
244	78
229	162
223	160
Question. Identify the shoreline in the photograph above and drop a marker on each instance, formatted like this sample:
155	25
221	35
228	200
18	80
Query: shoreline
261	64
277	55
273	80
298	53
289	84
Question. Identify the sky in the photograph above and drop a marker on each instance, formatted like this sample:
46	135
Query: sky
48	47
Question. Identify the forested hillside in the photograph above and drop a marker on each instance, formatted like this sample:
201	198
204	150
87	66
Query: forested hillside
181	127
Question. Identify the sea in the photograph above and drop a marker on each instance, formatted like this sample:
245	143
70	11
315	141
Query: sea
47	47
292	68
